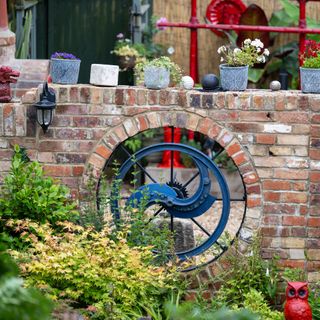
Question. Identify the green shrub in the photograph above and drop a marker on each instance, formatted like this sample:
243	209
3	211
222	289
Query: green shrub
191	311
312	62
88	267
28	194
17	302
255	302
246	272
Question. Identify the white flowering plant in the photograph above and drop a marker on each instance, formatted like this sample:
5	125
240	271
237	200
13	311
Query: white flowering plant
250	53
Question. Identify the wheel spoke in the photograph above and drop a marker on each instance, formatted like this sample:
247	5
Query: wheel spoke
201	227
138	164
155	215
190	180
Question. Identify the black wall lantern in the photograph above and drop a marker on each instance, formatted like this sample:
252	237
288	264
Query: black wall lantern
45	107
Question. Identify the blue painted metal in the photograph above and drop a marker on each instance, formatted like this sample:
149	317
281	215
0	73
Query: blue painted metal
167	197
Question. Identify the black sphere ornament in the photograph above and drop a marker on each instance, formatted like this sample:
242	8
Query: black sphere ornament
210	82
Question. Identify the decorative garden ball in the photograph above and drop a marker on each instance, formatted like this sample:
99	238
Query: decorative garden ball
187	82
275	85
210	82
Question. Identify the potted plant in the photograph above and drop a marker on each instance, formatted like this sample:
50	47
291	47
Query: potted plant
127	52
234	70
158	73
64	68
310	70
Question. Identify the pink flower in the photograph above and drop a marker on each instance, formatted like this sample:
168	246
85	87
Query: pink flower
161	20
120	36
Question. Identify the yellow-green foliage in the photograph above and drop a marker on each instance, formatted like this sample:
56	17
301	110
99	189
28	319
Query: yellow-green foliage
87	266
255	302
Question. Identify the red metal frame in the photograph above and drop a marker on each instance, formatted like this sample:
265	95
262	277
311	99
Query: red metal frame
194	25
3	15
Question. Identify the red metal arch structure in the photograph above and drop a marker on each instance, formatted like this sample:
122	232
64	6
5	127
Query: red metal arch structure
194	25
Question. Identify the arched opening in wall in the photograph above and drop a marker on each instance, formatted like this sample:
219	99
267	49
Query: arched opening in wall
180	192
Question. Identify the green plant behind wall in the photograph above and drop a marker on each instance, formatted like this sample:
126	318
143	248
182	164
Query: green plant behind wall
28	194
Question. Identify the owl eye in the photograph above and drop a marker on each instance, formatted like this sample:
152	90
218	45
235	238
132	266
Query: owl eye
292	293
302	292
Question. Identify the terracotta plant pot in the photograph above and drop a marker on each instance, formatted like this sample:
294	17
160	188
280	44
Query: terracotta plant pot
233	78
310	80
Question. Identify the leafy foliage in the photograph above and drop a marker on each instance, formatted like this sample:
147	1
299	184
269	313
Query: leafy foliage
28	194
247	272
165	62
17	302
87	266
255	302
248	54
191	311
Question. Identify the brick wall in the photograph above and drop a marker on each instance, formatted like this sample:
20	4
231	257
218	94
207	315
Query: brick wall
274	138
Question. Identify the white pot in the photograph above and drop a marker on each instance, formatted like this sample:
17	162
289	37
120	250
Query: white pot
104	75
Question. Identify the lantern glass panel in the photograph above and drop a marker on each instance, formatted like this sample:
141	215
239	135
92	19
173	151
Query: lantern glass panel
47	117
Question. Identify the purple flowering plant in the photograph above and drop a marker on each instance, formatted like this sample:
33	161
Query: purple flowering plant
64	56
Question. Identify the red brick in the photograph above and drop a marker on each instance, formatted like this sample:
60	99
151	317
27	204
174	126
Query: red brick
253	189
233	148
265	139
250	178
103	151
205	125
276	185
291	174
74	94
253	202
119	97
293	221
142	123
315	118
130	97
315	131
279	208
271	196
314	222
85	95
292	117
294	197
315	176
57	170
240	158
77	171
254	116
314	154
299	186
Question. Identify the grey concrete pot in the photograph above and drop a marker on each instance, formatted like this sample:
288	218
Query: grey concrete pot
156	77
233	78
64	71
310	80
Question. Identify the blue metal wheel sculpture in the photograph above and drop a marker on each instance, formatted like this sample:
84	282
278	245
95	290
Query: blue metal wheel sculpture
172	196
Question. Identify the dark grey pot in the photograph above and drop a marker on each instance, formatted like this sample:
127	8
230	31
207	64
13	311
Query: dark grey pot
64	71
310	80
233	78
156	77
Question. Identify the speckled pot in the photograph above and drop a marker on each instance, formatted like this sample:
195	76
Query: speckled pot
233	78
64	71
310	80
156	77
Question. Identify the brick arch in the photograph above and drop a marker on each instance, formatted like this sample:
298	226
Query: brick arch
192	121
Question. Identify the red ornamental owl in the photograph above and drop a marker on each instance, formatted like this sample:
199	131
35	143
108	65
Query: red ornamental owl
297	306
